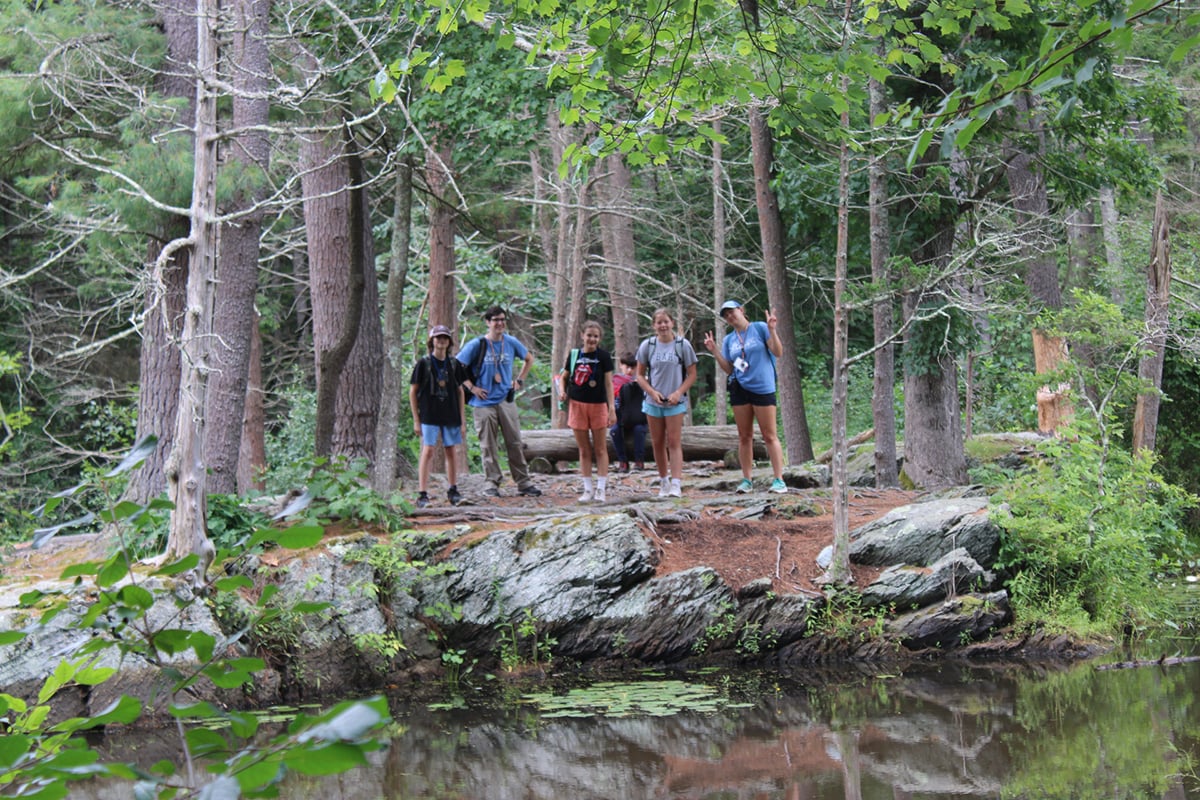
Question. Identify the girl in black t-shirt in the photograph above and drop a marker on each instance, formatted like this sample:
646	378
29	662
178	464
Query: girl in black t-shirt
587	383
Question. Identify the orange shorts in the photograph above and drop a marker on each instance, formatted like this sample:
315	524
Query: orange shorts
587	416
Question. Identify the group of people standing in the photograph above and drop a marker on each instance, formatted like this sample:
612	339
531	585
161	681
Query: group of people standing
648	396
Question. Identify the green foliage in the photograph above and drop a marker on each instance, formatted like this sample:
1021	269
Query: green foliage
290	445
43	754
842	617
521	645
1086	535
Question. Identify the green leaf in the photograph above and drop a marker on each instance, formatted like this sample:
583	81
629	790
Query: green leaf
12	747
115	570
258	774
134	458
136	597
85	568
328	760
43	535
348	722
9	637
299	537
232	583
176	567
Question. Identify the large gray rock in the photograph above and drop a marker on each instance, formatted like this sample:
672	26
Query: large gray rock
906	587
559	572
952	624
921	533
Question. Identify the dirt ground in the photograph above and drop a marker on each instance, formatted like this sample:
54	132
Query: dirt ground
702	528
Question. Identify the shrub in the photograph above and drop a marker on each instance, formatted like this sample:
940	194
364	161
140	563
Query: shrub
1086	532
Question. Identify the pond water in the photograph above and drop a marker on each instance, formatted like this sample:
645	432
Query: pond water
946	732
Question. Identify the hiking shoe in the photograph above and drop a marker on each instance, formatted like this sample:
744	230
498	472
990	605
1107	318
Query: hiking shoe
639	465
778	486
623	466
453	496
587	496
676	490
745	486
491	491
599	497
422	501
530	491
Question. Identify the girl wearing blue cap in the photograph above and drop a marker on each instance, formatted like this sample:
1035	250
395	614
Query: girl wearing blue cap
747	355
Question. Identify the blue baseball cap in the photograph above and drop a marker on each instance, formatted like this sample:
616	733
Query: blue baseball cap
727	306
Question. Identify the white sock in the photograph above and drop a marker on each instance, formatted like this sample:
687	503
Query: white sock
587	484
602	482
676	483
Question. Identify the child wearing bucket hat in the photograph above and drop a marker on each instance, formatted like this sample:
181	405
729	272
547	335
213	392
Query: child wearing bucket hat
435	393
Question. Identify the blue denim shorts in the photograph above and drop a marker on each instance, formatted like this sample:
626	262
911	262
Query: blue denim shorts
449	436
653	410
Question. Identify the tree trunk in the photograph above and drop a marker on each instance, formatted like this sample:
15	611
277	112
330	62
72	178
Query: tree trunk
393	388
721	394
779	293
838	572
187	480
883	404
1028	190
442	222
346	330
237	267
700	443
1109	220
252	459
1158	292
933	438
160	365
1053	408
620	254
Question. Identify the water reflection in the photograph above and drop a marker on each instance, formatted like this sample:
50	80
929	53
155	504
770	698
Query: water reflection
960	733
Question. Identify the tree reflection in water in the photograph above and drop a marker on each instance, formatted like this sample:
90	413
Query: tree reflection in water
950	732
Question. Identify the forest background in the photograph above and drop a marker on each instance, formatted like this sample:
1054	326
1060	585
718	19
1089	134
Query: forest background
230	226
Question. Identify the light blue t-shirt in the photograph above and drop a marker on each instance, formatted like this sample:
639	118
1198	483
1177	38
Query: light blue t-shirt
498	359
750	349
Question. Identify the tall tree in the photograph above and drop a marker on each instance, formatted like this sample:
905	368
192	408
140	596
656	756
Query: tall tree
159	373
393	378
883	403
620	252
187	479
346	329
248	162
779	291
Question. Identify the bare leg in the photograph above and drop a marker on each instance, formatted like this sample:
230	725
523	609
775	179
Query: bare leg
743	415
766	423
585	451
674	437
600	450
658	443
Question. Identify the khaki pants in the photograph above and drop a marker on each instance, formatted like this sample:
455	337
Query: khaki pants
490	423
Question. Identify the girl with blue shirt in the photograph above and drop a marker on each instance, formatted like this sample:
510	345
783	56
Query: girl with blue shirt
747	355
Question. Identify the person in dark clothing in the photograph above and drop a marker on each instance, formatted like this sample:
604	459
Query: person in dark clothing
435	393
631	420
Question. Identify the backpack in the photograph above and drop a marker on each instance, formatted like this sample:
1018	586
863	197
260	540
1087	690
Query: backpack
477	366
653	342
562	404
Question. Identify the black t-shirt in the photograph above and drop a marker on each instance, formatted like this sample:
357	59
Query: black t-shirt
438	384
585	384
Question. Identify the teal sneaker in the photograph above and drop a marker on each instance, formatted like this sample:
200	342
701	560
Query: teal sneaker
778	486
745	486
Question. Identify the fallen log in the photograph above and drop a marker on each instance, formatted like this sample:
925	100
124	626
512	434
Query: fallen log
700	443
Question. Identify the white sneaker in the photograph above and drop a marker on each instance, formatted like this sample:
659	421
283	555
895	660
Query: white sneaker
599	496
664	487
676	490
587	496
